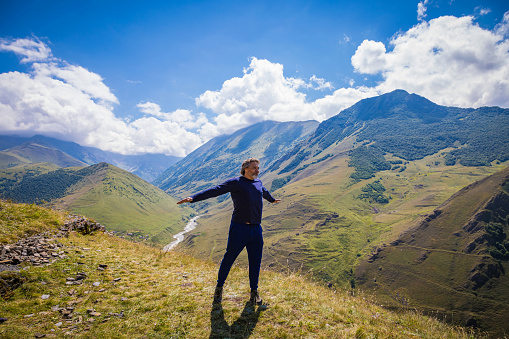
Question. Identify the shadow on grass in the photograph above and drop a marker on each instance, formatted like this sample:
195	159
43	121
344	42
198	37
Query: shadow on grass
241	328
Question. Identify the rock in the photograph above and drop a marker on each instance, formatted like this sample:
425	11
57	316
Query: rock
96	284
44	296
39	335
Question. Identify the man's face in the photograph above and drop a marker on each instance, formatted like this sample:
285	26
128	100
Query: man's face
252	171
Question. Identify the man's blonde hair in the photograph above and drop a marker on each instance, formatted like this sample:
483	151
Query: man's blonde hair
246	164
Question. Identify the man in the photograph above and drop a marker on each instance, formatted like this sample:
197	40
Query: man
245	230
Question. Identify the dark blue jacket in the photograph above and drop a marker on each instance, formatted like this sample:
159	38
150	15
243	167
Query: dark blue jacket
246	195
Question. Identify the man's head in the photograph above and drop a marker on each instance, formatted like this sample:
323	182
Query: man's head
250	168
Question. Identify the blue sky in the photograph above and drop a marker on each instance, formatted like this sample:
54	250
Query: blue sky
166	76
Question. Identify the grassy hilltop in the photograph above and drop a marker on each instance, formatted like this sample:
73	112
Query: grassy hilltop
119	200
146	293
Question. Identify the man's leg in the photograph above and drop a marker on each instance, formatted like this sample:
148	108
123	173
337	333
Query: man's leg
237	239
254	253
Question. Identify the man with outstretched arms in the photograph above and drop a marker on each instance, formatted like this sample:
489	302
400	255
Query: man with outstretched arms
247	193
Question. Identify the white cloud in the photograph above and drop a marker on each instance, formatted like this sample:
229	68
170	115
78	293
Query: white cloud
346	39
421	10
183	117
72	103
502	29
80	78
370	57
264	93
482	11
451	61
30	50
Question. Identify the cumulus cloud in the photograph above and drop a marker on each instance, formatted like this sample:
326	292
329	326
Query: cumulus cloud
183	117
264	93
30	50
449	60
421	10
370	57
72	103
502	29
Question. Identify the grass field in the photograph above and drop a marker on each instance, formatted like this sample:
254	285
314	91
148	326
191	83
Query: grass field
144	292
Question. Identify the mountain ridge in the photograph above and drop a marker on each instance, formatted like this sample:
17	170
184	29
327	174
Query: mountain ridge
221	157
16	150
119	200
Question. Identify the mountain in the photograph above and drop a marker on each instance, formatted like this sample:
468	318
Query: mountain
410	127
221	157
360	180
16	150
452	261
119	200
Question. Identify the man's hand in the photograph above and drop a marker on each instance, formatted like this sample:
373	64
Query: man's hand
188	199
277	201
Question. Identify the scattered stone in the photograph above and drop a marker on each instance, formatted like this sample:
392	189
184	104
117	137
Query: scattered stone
39	335
96	284
117	279
43	249
58	324
119	315
82	225
29	315
44	296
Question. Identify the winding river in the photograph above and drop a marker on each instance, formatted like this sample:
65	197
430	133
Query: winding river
191	225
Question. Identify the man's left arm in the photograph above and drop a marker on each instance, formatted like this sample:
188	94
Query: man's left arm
267	196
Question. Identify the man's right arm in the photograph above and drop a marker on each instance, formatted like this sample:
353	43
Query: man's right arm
212	192
188	199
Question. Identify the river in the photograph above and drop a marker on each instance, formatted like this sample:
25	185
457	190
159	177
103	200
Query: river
191	225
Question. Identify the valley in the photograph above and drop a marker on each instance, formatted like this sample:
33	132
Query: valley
351	186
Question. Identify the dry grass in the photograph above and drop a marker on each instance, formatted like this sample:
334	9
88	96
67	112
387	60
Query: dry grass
19	220
169	295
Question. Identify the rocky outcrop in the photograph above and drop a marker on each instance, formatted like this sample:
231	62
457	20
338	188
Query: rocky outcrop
44	248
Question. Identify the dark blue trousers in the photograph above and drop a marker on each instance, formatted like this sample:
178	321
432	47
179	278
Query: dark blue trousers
240	236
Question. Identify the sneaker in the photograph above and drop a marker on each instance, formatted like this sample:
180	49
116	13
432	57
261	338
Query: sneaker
218	294
255	298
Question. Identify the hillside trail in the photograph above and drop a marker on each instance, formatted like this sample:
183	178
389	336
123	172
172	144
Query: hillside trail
430	249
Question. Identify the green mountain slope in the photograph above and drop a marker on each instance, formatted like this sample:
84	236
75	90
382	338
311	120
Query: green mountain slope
329	219
119	200
453	260
128	290
220	158
411	128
